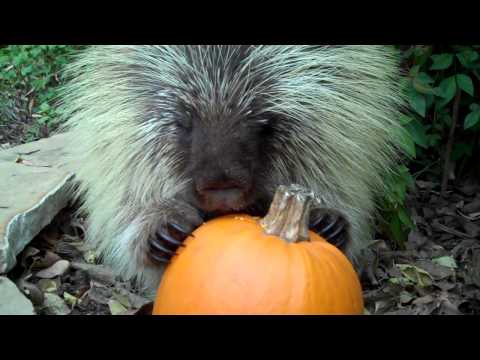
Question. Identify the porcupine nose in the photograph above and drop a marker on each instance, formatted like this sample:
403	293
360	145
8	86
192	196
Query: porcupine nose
221	194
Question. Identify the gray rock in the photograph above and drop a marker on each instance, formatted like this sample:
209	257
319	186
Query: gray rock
12	301
36	180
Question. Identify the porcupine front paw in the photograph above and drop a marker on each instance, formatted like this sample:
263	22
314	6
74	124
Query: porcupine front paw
331	225
170	233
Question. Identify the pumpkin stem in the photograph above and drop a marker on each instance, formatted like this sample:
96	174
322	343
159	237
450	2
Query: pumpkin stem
289	214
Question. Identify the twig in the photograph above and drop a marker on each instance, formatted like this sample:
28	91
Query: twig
451	137
451	231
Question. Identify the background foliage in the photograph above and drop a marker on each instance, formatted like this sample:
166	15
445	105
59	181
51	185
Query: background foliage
29	79
443	124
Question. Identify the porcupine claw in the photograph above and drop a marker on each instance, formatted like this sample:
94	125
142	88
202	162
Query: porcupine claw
171	234
331	225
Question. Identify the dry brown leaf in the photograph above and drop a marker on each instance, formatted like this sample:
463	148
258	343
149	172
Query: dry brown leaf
57	269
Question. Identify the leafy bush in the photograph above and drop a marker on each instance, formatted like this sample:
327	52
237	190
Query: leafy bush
443	91
29	76
442	86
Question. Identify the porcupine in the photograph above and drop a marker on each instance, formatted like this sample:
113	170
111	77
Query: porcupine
169	136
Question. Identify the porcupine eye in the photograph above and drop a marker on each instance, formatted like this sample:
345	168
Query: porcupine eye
184	121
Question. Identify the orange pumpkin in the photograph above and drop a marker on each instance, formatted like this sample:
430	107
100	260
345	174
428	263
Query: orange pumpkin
238	264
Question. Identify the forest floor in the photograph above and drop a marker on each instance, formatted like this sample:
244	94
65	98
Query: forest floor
437	273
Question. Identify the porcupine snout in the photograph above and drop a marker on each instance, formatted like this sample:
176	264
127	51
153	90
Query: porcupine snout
220	192
223	167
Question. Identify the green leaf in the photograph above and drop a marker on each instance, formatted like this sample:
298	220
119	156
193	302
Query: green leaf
424	78
422	54
474	107
465	83
447	90
404	119
471	119
414	70
408	145
26	70
468	57
44	107
396	230
406	176
418	103
405	218
434	139
441	62
422	84
417	131
400	188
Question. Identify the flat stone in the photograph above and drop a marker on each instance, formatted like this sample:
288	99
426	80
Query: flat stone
36	181
12	301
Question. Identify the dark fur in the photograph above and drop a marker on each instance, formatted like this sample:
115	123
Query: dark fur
225	156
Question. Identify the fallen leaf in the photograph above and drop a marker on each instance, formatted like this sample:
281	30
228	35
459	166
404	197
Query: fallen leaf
446	285
383	306
55	305
57	269
122	299
405	297
472	229
415	275
473	206
423	300
115	307
436	272
99	293
48	285
100	273
447	307
446	261
133	300
70	299
45	259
